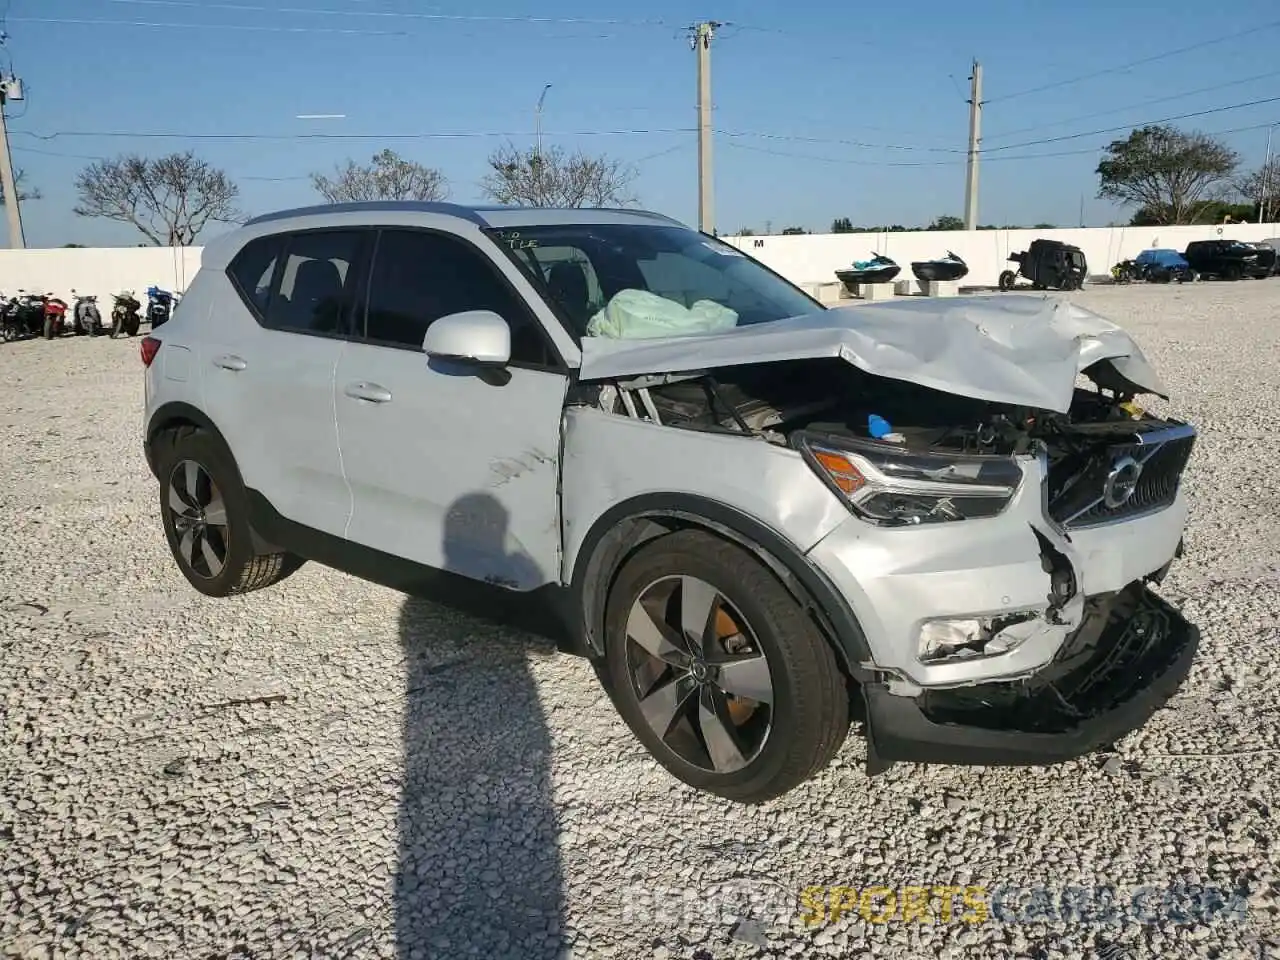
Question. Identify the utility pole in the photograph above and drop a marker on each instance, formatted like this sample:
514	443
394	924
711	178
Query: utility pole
975	138
701	39
10	89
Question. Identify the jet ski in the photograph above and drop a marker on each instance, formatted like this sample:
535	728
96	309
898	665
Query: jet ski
879	269
949	267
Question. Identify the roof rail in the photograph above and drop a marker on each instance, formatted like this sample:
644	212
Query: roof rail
374	206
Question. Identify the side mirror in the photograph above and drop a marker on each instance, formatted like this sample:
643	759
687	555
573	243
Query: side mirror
473	336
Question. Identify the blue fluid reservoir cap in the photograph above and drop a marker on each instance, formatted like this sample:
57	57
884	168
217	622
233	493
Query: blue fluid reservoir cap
878	426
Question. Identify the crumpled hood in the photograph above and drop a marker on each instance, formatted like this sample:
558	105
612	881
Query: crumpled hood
1021	350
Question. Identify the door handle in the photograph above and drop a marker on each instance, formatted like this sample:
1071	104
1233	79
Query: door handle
229	361
368	391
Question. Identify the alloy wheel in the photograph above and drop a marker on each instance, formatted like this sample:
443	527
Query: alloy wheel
199	519
700	675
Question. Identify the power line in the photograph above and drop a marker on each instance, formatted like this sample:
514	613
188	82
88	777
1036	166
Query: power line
461	135
1132	106
845	143
1251	31
65	21
399	14
954	163
1127	126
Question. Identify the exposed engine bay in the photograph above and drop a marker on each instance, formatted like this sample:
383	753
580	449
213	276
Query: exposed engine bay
773	400
1105	459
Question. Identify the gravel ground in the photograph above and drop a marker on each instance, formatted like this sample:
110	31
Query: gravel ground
328	768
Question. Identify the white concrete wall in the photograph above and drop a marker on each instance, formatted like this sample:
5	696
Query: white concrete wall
811	258
97	270
814	258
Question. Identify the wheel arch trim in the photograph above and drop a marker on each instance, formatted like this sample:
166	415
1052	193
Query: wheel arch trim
622	528
176	412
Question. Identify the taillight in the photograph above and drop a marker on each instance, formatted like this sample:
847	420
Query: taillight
149	347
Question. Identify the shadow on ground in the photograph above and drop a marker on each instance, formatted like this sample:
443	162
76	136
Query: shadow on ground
479	870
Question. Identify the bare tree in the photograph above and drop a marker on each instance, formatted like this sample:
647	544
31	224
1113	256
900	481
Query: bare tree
24	192
170	199
1262	184
388	177
554	178
1169	173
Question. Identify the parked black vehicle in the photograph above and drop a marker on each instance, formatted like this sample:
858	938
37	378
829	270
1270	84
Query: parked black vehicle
1274	244
1224	259
124	315
1267	261
85	318
1049	265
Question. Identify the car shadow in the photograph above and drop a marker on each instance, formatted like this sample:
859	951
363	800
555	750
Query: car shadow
479	869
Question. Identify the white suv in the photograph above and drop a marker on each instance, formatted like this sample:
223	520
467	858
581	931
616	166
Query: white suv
760	517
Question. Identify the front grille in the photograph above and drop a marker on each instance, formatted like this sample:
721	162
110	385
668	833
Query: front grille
1079	484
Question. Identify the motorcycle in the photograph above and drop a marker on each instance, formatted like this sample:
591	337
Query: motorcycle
1126	271
160	305
124	315
53	323
85	318
23	316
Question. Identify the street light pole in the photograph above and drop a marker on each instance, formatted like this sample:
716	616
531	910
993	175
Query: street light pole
537	119
1265	200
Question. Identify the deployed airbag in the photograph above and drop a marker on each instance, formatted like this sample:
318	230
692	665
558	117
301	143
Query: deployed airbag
641	315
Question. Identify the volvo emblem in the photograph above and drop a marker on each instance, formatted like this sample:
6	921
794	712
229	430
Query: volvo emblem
1121	482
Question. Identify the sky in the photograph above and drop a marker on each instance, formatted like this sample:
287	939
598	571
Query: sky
818	114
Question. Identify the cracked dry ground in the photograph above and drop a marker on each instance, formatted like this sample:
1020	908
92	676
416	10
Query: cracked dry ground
328	768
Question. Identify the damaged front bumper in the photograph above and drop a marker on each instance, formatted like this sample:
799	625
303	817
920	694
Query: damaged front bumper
1094	653
1126	660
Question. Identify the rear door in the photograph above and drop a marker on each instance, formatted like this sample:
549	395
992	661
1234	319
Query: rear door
268	368
445	468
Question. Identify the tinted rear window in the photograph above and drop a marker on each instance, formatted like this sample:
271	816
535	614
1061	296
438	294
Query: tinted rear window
252	269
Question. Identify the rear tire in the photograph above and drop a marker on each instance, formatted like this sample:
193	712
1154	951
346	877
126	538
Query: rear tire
205	511
48	328
757	638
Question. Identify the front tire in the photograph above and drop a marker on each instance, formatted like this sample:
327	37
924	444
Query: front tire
206	518
1006	280
719	671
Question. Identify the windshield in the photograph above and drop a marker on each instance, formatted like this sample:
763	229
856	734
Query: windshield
637	281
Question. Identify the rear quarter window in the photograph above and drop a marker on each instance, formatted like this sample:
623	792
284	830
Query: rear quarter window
251	271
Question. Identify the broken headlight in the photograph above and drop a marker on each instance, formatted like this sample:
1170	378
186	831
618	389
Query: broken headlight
894	486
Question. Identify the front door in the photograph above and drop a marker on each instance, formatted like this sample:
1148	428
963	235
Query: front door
447	469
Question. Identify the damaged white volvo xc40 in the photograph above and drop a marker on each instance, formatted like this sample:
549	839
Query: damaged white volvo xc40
760	518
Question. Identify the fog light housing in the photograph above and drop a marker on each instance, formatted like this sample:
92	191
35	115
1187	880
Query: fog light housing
965	638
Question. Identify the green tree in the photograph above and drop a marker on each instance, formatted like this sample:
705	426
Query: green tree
793	231
946	223
1169	173
842	225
